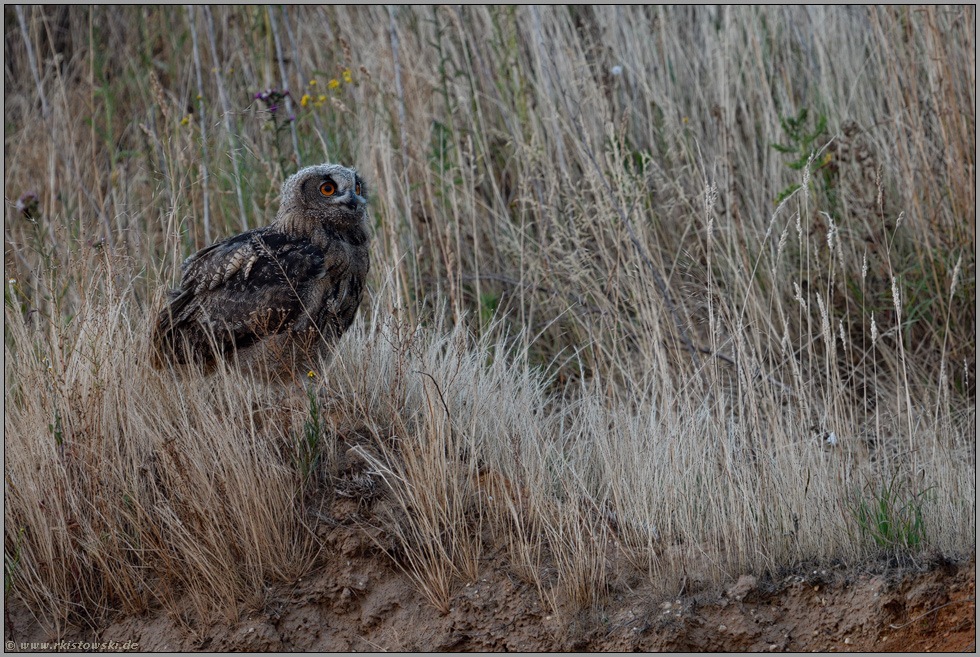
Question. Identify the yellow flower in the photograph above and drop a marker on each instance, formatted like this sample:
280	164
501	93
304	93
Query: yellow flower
304	100
685	119
185	120
322	99
347	77
312	83
827	158
333	84
311	374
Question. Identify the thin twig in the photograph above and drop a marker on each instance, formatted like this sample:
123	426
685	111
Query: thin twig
526	286
20	256
285	83
758	369
46	117
33	62
393	35
658	280
661	286
441	398
226	116
449	418
539	33
299	71
402	140
202	122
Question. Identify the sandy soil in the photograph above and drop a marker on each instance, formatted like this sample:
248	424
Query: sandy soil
357	599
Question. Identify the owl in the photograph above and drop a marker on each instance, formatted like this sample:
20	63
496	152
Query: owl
274	297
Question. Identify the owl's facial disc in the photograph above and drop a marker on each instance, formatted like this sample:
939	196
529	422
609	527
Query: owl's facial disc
337	189
354	197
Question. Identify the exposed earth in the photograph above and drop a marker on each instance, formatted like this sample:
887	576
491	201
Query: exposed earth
357	600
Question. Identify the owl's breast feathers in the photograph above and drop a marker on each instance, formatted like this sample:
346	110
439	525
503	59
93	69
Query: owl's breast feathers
255	285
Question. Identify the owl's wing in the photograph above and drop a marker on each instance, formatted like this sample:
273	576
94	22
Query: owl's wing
236	292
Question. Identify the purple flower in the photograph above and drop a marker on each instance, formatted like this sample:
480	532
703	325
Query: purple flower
292	117
273	98
28	204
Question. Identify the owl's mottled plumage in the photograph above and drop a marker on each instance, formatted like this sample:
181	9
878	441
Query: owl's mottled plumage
275	295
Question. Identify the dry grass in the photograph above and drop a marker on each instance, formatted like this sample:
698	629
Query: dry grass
582	285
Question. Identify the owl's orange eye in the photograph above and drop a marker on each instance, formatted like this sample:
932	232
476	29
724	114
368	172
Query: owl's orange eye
357	189
327	189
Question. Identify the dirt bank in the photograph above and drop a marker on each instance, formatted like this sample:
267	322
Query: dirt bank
356	600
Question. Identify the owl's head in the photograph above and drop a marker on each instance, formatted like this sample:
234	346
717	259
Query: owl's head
324	194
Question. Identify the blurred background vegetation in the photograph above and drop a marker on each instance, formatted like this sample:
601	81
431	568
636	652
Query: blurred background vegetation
527	162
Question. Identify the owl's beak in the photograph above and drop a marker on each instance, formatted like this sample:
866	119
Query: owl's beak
352	202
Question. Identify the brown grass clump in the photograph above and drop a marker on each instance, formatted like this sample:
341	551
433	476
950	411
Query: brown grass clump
609	314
